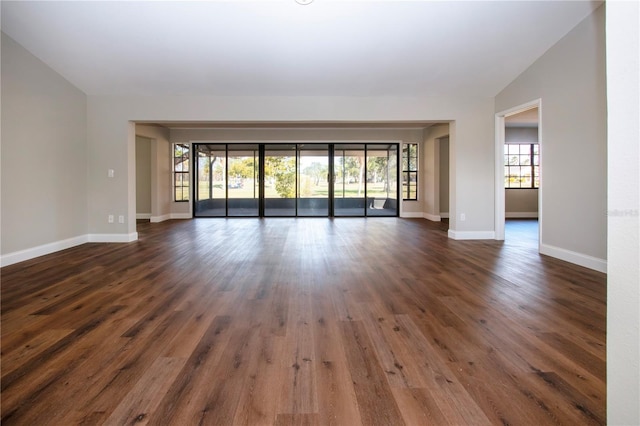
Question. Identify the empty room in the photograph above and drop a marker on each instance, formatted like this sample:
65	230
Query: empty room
320	212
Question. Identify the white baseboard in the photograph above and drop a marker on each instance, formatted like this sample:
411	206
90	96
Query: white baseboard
156	219
432	217
585	260
31	253
444	215
471	235
113	238
521	215
143	215
411	215
180	215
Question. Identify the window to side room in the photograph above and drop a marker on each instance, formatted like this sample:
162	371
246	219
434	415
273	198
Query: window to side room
410	171
521	165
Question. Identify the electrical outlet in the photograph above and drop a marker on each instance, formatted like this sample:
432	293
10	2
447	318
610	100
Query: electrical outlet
121	219
110	173
110	218
463	217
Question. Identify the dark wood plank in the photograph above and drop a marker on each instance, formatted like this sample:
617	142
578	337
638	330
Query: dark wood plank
302	321
375	398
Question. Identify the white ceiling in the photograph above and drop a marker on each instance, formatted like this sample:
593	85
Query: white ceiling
281	48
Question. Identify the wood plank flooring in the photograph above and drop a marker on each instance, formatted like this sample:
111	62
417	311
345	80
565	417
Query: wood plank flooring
379	321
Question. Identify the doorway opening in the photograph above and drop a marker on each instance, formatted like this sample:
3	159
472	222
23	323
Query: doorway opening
295	180
518	171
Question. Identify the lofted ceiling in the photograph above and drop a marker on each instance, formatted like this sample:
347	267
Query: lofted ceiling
527	118
282	48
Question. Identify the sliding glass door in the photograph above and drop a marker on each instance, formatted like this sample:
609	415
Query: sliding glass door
242	180
211	171
289	179
313	180
348	180
382	180
280	180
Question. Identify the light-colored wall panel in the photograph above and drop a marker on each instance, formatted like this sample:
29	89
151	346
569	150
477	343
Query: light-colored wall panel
472	141
570	80
431	172
623	281
44	155
161	177
521	202
143	175
444	176
521	134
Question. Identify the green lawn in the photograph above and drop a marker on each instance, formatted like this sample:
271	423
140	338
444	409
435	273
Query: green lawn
308	191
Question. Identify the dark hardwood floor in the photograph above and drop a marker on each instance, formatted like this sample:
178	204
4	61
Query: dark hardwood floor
378	321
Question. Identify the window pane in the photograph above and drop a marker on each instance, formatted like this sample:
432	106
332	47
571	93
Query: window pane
518	159
382	179
280	180
180	170
412	193
348	180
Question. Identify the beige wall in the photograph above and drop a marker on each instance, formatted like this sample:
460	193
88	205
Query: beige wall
111	136
570	81
160	170
430	170
521	134
143	176
44	156
444	176
521	203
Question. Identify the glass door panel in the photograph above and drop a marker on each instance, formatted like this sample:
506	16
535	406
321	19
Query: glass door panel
280	180
288	180
313	180
242	184
382	180
210	194
348	180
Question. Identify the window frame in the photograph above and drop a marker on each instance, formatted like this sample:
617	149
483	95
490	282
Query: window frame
408	171
184	175
532	155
